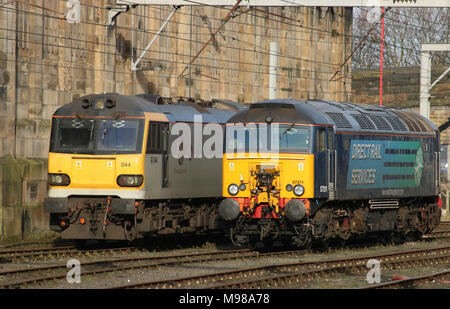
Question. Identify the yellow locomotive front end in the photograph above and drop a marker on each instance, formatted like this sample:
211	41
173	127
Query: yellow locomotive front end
112	172
95	171
267	192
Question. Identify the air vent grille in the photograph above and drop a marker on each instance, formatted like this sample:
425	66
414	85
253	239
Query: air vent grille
380	122
339	120
396	124
364	122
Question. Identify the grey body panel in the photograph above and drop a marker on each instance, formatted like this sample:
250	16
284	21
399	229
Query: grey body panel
197	178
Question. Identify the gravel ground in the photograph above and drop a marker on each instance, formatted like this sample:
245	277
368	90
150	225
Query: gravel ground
160	273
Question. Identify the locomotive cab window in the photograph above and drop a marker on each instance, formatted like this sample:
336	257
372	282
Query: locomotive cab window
94	136
330	138
73	135
273	138
157	137
323	139
294	138
118	135
320	140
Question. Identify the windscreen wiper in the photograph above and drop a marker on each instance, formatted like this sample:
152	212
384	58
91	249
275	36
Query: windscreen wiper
288	128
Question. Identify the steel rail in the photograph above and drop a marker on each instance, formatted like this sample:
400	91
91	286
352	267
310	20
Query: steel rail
437	234
154	261
409	282
443	225
56	251
26	250
291	268
295	277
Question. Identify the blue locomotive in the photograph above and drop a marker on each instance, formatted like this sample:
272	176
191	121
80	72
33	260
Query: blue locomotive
341	170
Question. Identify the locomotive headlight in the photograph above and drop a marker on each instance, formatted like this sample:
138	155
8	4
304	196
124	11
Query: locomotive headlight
299	190
130	180
233	189
58	179
289	187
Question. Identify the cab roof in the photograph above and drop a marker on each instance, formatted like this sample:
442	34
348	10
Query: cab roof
177	109
343	116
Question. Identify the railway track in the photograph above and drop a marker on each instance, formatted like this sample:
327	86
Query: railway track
411	282
14	255
444	225
441	233
284	275
54	252
110	265
16	278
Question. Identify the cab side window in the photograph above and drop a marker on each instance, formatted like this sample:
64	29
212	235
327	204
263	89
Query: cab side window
330	139
156	141
320	140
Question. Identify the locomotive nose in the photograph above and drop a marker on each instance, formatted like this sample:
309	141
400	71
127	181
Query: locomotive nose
229	209
295	210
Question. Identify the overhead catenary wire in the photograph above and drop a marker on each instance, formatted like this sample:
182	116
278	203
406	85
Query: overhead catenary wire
219	7
153	32
105	46
101	51
225	20
225	46
183	39
358	46
245	42
48	62
398	28
281	55
224	82
172	53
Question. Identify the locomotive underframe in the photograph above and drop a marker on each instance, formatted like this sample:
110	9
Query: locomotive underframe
100	218
341	221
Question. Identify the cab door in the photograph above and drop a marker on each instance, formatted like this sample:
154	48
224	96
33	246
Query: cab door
324	162
158	148
331	163
321	164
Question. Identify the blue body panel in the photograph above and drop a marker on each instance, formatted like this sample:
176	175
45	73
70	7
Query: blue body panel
384	166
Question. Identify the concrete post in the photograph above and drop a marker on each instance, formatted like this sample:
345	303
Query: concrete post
425	75
273	69
425	78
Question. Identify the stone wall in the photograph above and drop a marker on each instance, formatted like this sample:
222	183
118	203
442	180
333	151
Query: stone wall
23	187
46	62
401	88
